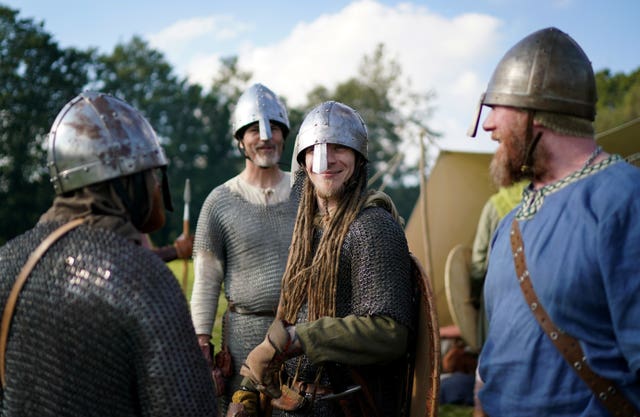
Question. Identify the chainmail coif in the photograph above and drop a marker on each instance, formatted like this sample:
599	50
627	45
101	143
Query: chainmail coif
101	328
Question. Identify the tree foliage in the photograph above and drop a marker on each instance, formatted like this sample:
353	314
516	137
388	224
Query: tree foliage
36	79
618	99
192	124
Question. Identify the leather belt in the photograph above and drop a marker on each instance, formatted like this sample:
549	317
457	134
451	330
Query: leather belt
309	389
240	310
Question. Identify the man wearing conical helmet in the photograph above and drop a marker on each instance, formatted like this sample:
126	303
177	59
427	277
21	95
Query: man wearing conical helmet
561	291
243	235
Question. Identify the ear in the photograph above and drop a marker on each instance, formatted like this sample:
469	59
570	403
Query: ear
537	124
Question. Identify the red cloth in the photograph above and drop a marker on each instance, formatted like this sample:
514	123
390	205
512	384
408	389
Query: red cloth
450	332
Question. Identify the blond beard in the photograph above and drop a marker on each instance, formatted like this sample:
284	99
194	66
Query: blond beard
331	194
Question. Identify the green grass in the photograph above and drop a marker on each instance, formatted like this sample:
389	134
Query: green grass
450	410
177	267
446	410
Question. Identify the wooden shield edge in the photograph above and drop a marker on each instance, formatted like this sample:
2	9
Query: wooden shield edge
426	374
457	283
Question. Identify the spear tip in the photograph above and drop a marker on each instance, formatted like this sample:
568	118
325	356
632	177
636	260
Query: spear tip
187	191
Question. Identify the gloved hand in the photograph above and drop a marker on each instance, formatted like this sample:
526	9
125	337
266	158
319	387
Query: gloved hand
265	360
244	402
207	348
207	351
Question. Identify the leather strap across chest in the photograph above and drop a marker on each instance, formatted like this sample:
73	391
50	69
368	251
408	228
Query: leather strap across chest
9	307
605	390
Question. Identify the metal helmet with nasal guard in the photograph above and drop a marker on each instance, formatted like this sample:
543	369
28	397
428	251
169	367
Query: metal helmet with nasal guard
546	71
259	104
330	122
97	137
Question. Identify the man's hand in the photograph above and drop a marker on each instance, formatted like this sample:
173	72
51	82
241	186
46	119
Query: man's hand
207	352
184	246
207	348
263	364
244	403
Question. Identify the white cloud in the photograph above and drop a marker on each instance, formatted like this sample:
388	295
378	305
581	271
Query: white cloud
219	26
182	31
444	55
201	33
202	68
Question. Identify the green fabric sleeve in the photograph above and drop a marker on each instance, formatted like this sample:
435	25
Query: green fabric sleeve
508	197
487	224
353	340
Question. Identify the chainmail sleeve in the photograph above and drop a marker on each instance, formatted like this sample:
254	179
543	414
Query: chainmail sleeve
101	328
208	262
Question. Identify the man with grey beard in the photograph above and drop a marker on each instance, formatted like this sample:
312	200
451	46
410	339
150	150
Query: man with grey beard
243	234
561	291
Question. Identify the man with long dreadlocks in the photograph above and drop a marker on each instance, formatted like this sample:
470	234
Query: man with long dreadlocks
345	310
93	323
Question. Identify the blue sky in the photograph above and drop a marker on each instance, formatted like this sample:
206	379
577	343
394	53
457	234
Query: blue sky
449	47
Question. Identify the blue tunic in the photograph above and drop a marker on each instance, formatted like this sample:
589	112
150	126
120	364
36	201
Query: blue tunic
582	247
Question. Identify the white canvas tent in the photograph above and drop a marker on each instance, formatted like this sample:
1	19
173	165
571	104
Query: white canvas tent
457	188
623	140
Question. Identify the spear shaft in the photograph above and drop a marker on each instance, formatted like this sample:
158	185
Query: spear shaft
185	231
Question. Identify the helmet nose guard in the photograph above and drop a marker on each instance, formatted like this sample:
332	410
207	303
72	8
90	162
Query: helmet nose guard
259	104
330	123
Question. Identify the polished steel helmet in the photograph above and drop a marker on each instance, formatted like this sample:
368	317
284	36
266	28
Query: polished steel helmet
97	137
330	122
259	104
546	71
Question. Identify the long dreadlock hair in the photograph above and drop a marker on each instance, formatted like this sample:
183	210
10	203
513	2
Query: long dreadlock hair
312	277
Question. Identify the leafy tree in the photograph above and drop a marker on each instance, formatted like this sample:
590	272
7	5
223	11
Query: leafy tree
36	79
230	81
618	99
295	120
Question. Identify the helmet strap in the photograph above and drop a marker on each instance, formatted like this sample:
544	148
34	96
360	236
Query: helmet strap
527	167
140	191
166	193
242	151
